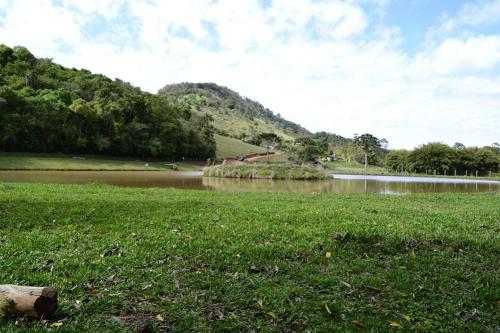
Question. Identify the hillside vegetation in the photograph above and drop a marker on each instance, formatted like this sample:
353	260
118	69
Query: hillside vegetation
234	148
233	114
45	107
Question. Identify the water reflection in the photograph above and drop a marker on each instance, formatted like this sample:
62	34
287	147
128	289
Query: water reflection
194	180
345	186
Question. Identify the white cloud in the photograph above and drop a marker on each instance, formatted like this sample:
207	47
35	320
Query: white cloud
320	64
39	25
471	15
455	56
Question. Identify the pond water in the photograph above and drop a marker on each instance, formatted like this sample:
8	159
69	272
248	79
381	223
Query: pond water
194	180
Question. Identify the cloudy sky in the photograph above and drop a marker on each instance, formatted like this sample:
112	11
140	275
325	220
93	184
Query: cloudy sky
412	71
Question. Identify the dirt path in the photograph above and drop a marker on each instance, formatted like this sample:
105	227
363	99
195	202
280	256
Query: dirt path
257	158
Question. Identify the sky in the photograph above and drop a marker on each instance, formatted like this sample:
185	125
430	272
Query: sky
410	71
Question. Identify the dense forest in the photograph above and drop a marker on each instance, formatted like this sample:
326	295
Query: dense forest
45	107
233	115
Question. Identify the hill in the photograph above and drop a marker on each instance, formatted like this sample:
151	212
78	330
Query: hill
45	107
233	148
233	115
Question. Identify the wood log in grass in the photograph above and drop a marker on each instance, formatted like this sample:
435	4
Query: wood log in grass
34	302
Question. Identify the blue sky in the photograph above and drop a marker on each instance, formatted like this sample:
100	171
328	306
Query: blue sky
412	71
414	18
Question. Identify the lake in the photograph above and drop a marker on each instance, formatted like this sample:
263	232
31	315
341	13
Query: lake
194	180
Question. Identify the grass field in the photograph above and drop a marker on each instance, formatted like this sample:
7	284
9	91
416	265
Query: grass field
277	158
33	161
226	148
233	148
355	168
175	260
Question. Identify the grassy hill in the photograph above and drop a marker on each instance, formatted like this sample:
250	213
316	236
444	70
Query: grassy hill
233	148
233	115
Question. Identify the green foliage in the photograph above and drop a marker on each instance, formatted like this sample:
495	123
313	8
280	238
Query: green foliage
234	115
266	171
330	141
432	156
242	262
349	153
45	107
6	308
306	149
234	148
443	159
371	146
398	160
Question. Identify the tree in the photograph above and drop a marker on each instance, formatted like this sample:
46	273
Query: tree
45	107
309	149
269	140
370	145
398	160
433	157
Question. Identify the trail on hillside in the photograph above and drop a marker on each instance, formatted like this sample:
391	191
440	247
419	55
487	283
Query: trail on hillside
257	158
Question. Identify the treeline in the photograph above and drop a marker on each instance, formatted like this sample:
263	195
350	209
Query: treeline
431	158
442	159
45	107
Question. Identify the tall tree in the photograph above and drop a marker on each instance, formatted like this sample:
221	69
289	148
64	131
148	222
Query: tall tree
370	145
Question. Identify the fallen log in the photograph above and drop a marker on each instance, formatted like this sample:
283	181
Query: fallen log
34	302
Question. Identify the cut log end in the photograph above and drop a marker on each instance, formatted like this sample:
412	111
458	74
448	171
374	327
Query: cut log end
35	302
46	304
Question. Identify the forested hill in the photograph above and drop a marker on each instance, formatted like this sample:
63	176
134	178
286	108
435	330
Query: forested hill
45	107
233	115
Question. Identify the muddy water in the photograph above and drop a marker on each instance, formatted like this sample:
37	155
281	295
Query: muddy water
194	180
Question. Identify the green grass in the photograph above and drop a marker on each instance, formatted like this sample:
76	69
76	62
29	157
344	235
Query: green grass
226	148
355	168
278	158
233	148
266	171
235	123
33	161
243	262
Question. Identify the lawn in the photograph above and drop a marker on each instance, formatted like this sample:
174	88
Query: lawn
233	148
276	158
34	161
355	168
180	260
